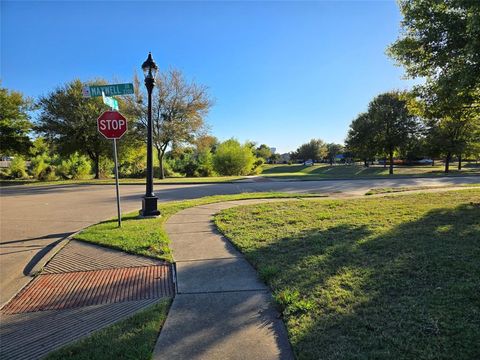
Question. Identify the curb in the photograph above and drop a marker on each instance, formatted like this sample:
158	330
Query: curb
50	254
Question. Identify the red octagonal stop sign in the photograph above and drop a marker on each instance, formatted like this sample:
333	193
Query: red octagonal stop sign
112	124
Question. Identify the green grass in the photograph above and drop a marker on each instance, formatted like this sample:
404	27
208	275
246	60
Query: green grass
324	171
123	181
387	190
146	236
133	338
395	277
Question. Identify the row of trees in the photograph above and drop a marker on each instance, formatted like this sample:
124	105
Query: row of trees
317	150
69	146
66	125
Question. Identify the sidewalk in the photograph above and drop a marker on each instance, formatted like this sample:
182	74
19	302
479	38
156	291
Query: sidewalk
221	310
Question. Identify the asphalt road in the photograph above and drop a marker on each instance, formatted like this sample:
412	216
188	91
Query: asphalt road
34	218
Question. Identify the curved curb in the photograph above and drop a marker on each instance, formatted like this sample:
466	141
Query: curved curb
38	267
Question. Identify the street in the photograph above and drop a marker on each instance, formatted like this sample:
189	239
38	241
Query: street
34	218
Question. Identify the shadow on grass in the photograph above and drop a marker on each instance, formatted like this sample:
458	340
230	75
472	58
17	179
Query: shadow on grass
409	293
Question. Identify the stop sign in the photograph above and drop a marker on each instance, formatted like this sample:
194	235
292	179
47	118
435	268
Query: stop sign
112	124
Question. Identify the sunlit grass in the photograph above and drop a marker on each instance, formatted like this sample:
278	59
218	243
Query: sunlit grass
374	278
321	171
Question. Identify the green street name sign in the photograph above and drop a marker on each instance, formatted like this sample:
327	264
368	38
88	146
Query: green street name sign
110	101
108	90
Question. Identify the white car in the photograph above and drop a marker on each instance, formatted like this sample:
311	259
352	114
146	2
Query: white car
426	161
308	163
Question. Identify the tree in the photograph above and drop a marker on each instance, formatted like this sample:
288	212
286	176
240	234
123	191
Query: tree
393	124
314	150
14	123
178	111
68	120
332	151
231	158
439	42
361	138
264	152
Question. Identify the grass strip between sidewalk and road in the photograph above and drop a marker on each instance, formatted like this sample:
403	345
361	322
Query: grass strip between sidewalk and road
387	190
132	338
146	236
393	277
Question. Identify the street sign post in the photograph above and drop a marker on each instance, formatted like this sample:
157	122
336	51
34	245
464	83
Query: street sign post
108	90
113	125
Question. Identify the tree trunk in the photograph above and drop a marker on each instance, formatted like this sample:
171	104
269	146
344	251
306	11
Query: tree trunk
460	162
433	162
365	162
390	171
447	162
160	163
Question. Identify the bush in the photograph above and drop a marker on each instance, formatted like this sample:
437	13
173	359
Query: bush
106	167
74	167
231	158
17	169
205	164
42	169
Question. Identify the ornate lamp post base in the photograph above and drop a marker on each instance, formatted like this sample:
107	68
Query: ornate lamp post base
149	207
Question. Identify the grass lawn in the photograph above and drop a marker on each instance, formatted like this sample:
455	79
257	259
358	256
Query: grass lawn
396	277
124	181
147	236
325	171
133	338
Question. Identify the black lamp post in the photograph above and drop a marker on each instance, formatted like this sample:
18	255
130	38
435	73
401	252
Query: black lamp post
149	203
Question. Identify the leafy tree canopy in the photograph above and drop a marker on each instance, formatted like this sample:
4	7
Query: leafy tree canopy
15	123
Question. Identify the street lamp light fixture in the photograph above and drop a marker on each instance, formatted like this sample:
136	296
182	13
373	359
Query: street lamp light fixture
149	202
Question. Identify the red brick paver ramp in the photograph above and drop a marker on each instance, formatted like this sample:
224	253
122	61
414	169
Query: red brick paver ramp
82	289
78	289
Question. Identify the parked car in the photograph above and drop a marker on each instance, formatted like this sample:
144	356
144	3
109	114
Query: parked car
308	163
425	161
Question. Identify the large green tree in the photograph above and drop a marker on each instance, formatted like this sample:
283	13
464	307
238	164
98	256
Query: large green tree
68	120
332	151
440	43
178	111
393	123
314	150
361	138
15	123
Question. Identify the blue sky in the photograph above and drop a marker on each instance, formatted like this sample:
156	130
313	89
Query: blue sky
281	73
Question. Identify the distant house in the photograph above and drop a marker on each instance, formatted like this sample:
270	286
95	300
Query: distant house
285	158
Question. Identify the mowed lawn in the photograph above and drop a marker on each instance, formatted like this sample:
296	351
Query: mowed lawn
396	277
325	171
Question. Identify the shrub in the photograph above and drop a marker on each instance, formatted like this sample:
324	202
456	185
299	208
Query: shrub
74	167
231	158
106	167
17	169
205	164
41	168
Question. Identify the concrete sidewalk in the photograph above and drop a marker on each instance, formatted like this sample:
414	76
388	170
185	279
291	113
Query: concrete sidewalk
222	310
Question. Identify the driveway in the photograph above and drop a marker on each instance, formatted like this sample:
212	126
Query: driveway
34	218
